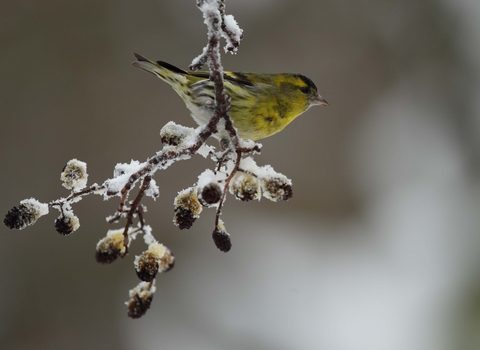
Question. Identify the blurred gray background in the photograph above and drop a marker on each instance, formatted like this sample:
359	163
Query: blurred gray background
379	247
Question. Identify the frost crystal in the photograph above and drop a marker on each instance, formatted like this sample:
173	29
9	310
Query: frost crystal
148	237
200	60
206	177
248	164
153	190
249	144
205	150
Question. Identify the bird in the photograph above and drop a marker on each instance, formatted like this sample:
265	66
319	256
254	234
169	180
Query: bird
261	104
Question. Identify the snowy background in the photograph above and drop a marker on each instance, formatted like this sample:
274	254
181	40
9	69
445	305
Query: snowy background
379	247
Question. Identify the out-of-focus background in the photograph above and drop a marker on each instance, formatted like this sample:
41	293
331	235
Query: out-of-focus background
379	247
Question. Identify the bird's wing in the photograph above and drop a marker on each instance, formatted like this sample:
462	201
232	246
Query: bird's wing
234	77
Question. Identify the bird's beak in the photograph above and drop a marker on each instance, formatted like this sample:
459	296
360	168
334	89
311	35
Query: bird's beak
319	101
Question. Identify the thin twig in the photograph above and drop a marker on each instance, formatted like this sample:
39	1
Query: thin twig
133	210
82	193
225	188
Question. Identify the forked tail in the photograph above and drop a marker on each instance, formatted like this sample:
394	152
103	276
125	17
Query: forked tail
163	70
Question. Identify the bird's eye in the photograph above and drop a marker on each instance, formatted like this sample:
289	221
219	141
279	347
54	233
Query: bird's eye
305	89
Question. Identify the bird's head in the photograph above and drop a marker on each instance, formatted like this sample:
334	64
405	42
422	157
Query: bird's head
299	92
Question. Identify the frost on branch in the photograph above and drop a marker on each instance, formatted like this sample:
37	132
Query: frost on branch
121	176
234	171
214	13
232	34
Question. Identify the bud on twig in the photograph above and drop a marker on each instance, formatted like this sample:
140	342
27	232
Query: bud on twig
173	134
110	247
235	170
140	299
67	223
209	189
221	238
210	194
74	175
275	186
245	187
157	258
187	208
26	214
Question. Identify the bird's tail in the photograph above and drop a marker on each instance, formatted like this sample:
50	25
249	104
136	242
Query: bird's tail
165	71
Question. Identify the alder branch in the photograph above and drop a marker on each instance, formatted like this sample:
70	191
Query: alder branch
235	171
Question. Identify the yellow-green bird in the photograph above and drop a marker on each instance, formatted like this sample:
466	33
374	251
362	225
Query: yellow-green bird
261	104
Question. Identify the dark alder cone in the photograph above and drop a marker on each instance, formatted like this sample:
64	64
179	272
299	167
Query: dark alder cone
138	306
66	224
187	208
211	194
26	214
107	256
287	192
277	189
147	266
173	134
222	240
183	218
110	247
246	195
140	299
62	225
245	187
19	217
156	259
172	140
